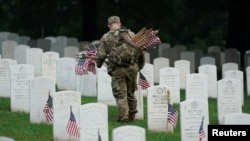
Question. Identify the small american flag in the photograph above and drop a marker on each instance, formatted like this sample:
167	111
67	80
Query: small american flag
80	70
152	43
72	127
87	63
202	133
172	115
143	81
48	110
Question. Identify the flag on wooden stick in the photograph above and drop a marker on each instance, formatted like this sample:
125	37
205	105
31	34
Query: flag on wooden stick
72	128
172	115
202	133
48	109
143	81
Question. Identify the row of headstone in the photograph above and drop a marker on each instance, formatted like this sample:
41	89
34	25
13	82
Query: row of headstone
12	50
230	90
180	52
63	45
177	52
193	111
73	121
31	94
20	99
20	51
158	96
62	70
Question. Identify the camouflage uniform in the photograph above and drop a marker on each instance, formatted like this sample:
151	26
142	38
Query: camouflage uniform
123	76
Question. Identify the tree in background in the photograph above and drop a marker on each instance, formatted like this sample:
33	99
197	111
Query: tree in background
239	29
194	23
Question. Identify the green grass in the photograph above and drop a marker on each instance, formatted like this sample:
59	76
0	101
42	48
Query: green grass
17	125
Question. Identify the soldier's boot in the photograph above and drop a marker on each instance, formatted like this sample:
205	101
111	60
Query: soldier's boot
123	114
125	120
132	115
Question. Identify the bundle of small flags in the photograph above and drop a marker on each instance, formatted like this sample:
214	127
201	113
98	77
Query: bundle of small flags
145	39
87	61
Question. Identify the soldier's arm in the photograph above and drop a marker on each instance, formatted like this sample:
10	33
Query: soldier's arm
101	54
141	60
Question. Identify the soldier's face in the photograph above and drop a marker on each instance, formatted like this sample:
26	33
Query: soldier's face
114	26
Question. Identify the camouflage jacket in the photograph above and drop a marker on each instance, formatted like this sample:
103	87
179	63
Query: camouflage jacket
110	41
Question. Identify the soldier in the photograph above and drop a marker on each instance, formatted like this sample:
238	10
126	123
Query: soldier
122	65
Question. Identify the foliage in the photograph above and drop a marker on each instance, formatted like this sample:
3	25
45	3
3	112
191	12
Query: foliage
179	21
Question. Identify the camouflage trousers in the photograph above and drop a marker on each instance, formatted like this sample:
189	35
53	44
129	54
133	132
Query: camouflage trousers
123	86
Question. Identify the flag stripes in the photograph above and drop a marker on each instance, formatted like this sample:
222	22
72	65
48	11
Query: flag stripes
87	63
48	110
172	115
72	127
143	82
202	133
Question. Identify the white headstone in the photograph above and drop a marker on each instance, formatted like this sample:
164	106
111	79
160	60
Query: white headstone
3	138
5	76
128	133
40	89
222	58
65	73
61	42
237	74
184	69
72	41
211	72
104	89
158	99
214	48
196	86
237	119
23	39
13	36
229	66
49	60
229	97
86	84
248	80
65	106
20	87
162	47
170	76
94	122
8	49
34	57
207	60
20	53
148	73
51	38
160	62
194	115
189	56
71	51
140	104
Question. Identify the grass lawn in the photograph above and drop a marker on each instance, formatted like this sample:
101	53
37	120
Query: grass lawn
17	125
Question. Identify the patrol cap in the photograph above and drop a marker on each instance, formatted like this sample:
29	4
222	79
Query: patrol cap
113	19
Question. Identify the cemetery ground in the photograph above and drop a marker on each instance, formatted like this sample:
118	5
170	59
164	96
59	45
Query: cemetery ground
17	125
